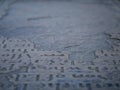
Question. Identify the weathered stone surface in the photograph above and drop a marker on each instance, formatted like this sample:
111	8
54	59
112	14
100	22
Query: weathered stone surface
23	66
50	45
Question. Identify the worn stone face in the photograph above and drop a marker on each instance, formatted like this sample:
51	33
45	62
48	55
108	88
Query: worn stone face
59	45
24	67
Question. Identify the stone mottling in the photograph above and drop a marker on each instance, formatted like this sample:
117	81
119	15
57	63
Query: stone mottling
76	47
24	67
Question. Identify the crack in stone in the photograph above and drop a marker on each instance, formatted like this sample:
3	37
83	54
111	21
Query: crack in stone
37	18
